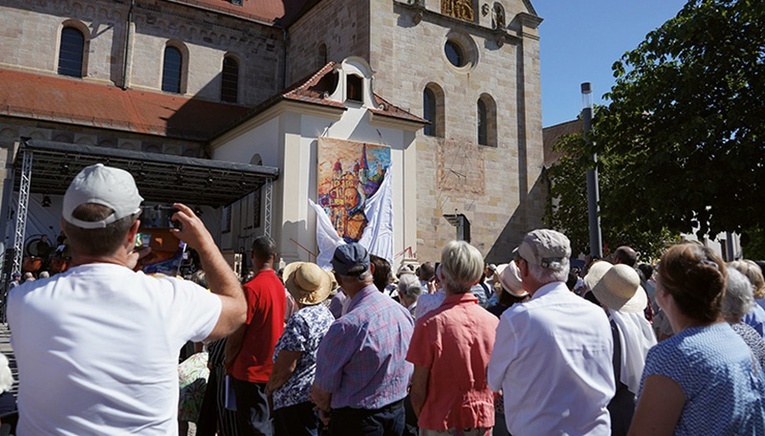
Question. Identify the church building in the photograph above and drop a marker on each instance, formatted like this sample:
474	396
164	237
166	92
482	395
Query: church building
325	104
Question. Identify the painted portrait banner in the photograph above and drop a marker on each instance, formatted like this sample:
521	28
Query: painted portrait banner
349	174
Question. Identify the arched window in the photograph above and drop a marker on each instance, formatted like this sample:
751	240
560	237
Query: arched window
429	111
229	88
486	117
433	110
172	70
70	53
483	127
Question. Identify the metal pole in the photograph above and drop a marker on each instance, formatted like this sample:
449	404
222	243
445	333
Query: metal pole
593	191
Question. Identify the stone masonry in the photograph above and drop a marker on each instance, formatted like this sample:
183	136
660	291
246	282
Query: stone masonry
499	188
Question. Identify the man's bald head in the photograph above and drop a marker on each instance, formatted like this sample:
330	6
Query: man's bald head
625	255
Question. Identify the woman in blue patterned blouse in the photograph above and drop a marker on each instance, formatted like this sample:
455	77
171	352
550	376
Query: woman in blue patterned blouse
703	380
295	353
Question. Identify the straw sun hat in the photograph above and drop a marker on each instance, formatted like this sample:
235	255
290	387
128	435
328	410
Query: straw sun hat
307	282
620	289
510	278
596	272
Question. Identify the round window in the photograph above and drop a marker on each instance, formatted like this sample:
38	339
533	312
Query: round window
454	53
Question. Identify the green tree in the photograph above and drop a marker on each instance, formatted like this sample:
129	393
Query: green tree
567	210
683	133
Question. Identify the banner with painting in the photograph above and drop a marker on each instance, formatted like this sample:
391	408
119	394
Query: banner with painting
354	195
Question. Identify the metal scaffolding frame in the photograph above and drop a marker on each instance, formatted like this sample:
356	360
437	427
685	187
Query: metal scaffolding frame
269	185
21	210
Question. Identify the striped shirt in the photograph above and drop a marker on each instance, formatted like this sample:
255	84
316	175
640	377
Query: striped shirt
360	361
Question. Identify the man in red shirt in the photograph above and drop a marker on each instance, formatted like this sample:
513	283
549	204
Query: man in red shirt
249	350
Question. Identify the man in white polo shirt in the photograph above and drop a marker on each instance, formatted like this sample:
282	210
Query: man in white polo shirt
552	355
97	346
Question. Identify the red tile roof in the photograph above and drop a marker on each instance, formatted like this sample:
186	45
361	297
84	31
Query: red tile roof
316	88
389	110
268	11
75	101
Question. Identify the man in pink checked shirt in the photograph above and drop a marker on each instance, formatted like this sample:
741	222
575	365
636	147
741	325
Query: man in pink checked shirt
361	374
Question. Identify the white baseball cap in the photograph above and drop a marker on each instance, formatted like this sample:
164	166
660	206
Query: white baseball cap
107	186
544	247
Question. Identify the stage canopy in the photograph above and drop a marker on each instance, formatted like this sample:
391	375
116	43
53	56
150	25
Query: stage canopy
160	178
46	167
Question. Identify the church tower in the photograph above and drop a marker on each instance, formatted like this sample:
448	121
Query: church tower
472	69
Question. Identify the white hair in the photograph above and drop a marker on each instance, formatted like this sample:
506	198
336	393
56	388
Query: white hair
409	287
6	378
739	297
461	266
556	272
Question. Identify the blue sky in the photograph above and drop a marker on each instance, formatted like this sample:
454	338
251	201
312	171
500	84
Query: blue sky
581	39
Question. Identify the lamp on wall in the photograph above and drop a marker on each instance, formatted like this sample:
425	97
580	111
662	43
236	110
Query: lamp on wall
46	201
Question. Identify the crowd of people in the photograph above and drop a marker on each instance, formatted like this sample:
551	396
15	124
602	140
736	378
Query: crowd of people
454	347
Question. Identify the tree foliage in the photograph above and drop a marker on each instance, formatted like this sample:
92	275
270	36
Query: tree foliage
568	209
681	142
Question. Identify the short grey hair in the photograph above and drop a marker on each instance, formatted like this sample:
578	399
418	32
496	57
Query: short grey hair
739	297
556	272
409	287
461	266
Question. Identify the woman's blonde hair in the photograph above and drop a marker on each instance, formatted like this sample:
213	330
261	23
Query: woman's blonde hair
461	266
753	272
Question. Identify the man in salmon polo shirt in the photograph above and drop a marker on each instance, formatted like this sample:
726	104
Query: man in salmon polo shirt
450	349
250	350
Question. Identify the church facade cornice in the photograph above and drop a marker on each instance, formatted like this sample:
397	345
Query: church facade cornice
420	13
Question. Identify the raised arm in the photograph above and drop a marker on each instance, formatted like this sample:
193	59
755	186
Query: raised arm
219	275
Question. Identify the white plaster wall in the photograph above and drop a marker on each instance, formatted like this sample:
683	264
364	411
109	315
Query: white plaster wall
264	139
289	142
355	126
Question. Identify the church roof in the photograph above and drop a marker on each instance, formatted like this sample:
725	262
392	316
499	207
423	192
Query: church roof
74	101
268	11
317	88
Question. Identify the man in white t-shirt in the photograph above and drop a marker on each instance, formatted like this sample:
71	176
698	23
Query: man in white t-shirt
97	346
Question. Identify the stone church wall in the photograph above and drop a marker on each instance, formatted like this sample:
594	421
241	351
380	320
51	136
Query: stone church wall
496	187
30	38
341	25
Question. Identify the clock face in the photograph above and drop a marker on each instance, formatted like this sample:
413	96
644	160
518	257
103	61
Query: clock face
460	167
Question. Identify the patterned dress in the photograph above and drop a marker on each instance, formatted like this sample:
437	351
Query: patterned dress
303	333
753	339
721	380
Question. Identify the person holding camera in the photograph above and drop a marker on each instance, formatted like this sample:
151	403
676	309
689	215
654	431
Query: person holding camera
97	346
